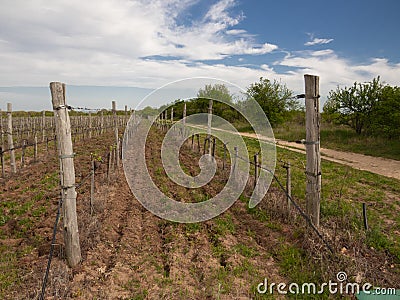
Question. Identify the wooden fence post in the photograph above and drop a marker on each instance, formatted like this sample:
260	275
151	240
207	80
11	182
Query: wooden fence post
2	162
90	125
209	120
213	146
101	123
198	142
114	110
224	157
288	185
43	125
35	149
184	119
10	138
365	218
235	167
67	173
126	114
23	146
1	130
313	168
255	169
92	187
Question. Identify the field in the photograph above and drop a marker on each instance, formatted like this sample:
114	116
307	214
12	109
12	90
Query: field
128	253
340	137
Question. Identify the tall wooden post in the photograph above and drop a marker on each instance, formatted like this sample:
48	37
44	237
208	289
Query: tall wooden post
313	168
1	130
101	122
43	125
126	114
114	110
67	173
209	120
35	148
90	125
10	138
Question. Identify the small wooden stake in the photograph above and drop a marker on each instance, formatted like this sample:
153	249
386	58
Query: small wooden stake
2	162
365	217
288	185
255	169
92	188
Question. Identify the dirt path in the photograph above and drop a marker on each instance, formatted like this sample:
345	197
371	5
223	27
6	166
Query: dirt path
378	165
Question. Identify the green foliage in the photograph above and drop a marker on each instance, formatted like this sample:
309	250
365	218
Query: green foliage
385	118
216	92
274	98
148	111
369	108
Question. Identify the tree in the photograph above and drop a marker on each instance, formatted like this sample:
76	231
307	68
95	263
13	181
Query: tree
221	95
385	119
216	92
354	106
274	98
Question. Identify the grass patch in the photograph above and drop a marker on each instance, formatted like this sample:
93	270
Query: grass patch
343	138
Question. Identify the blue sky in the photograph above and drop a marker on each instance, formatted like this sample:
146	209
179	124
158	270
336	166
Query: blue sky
122	49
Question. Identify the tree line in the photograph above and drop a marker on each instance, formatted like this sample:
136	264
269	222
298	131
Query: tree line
370	108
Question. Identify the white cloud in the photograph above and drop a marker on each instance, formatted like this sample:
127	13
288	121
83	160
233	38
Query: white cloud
143	43
236	32
317	41
335	70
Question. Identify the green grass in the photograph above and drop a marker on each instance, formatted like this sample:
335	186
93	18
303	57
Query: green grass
343	138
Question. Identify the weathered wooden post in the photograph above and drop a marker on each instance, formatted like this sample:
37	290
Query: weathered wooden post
114	110
2	162
213	146
209	120
235	167
126	114
35	149
90	125
365	218
313	168
43	125
10	138
1	130
184	120
23	146
255	169
198	142
67	173
101	123
224	157
288	185
92	187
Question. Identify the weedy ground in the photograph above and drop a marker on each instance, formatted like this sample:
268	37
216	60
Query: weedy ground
128	253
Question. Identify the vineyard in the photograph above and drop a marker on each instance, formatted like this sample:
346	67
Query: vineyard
129	253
